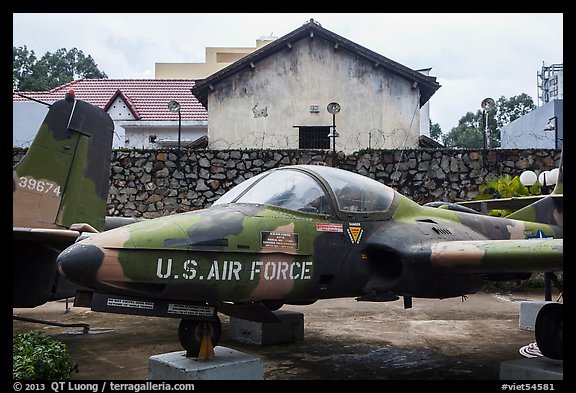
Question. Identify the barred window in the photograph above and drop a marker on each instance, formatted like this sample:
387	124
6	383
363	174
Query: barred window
314	137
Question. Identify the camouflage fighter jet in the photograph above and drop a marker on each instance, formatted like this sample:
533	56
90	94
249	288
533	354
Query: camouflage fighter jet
296	234
60	189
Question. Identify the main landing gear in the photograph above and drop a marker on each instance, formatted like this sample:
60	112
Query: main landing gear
198	337
549	330
549	324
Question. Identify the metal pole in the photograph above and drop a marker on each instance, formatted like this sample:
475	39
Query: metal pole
555	132
486	139
333	135
547	286
484	157
179	129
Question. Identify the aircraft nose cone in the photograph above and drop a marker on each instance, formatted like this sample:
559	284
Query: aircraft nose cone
79	263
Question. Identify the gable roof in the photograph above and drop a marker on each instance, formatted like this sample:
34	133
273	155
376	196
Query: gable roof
427	84
146	98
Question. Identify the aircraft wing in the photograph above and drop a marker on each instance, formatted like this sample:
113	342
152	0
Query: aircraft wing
35	278
45	234
52	234
494	256
448	268
514	203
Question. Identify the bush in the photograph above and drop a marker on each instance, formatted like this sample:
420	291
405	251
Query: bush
37	356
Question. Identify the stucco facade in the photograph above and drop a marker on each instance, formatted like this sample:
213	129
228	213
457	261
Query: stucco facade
265	106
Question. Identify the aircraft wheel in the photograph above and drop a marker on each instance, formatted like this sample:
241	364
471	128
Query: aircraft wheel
190	333
548	330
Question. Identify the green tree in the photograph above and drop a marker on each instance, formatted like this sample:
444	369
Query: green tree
435	131
508	110
52	69
469	133
22	65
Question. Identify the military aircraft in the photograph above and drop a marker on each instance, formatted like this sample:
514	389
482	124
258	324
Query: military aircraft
300	233
60	188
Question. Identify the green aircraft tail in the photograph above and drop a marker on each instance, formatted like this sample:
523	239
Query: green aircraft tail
64	177
559	187
547	210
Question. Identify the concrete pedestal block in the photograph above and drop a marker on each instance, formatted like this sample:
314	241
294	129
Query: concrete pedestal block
289	330
528	312
538	368
226	364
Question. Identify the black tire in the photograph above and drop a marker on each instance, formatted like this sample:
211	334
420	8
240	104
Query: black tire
548	330
190	333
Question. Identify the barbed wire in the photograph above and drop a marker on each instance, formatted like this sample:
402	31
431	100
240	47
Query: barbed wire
374	138
22	143
526	139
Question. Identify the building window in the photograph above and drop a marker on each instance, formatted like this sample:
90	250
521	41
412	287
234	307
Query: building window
314	137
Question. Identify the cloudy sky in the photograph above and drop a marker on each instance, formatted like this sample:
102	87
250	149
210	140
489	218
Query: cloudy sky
472	55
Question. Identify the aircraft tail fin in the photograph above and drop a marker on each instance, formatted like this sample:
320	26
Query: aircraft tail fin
64	177
559	187
547	210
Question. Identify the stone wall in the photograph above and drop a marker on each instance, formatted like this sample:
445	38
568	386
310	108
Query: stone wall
151	183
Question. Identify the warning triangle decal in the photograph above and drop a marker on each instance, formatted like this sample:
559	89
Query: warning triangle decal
355	232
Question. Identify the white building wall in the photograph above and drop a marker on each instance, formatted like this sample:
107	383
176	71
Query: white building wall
119	112
425	112
164	133
262	107
27	118
527	132
128	133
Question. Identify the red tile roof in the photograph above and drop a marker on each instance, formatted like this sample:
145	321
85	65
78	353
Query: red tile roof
147	98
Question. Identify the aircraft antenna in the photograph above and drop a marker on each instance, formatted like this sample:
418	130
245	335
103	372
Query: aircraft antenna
34	99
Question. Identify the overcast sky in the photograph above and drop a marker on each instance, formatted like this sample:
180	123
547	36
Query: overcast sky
473	56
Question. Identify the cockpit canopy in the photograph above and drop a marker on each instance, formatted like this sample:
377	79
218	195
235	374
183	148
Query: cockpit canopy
314	189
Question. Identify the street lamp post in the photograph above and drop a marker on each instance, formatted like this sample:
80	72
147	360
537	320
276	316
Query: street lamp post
174	106
553	126
333	108
487	105
528	178
546	179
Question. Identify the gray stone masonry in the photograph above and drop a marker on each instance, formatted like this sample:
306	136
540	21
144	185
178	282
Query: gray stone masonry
154	183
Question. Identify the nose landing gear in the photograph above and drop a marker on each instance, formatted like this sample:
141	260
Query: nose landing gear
199	337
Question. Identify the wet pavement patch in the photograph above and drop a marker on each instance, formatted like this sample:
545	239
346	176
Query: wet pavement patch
393	363
330	361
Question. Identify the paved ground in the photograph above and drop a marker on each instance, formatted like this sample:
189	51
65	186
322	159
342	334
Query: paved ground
460	339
